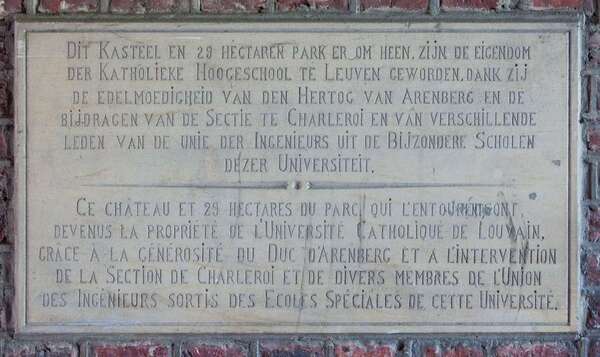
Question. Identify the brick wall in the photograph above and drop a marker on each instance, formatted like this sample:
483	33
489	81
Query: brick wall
534	345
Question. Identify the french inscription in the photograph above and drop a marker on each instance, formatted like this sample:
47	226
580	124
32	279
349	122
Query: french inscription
298	178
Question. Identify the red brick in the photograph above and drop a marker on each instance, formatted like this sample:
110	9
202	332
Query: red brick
161	6
6	69
469	4
594	81
431	351
593	43
5	269
225	6
591	269
5	140
557	4
541	349
370	349
290	5
131	350
593	314
67	6
213	350
5	176
51	6
5	307
295	349
454	351
127	6
463	351
9	7
6	42
594	349
594	40
6	93
19	351
49	350
59	350
411	5
594	219
593	139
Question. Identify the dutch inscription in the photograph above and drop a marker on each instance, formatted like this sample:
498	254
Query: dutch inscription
302	178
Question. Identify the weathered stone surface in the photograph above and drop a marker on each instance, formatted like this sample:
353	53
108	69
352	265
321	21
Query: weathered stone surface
271	197
134	7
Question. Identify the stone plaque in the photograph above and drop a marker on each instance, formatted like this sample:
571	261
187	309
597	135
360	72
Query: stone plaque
297	177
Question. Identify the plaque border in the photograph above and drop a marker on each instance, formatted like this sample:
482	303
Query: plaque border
571	24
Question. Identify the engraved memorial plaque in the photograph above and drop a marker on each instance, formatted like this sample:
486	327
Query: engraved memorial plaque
297	177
